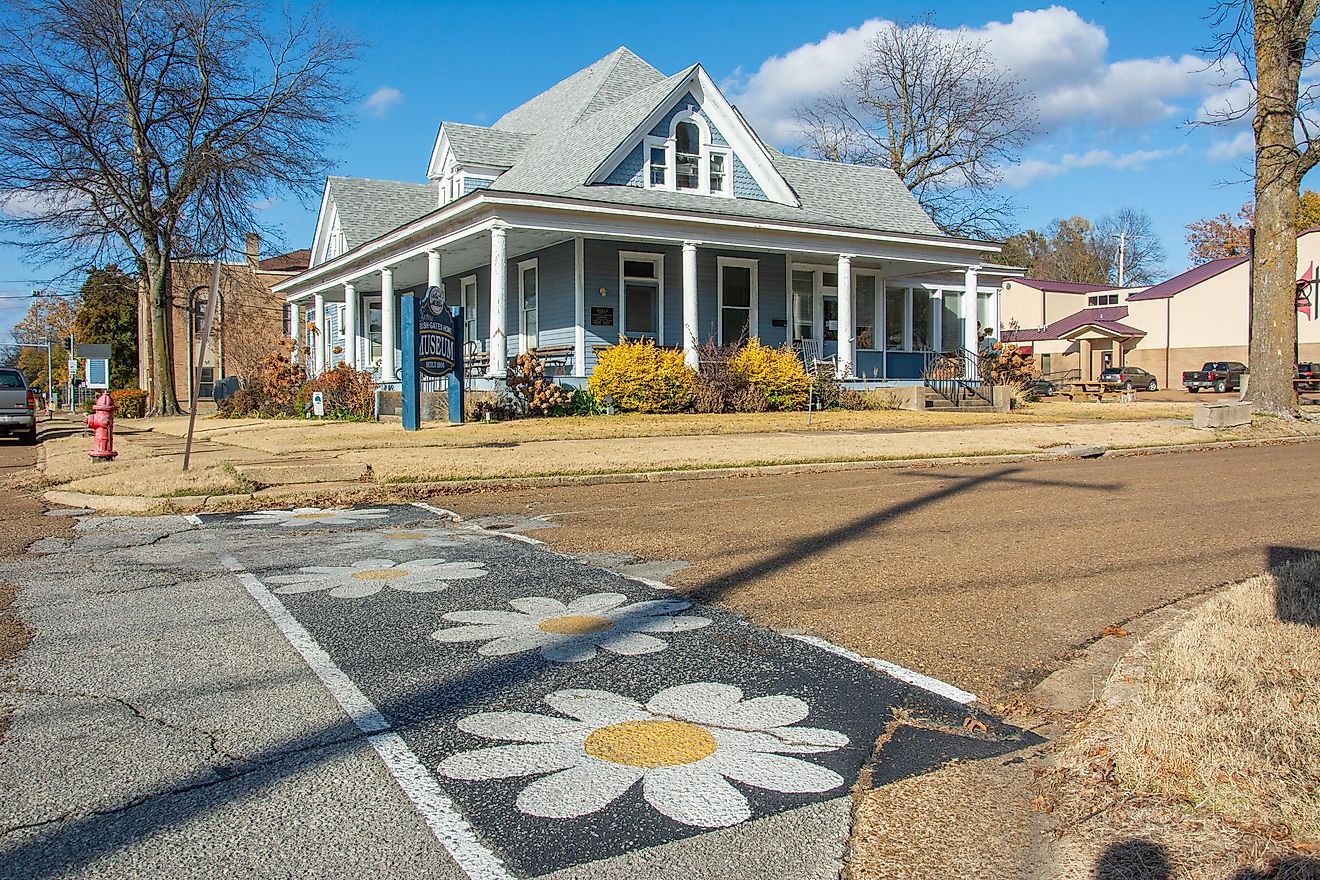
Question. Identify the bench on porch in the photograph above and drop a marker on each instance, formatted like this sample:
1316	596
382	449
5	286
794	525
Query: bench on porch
557	356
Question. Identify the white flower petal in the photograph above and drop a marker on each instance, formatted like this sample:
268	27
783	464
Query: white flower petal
782	740
577	791
646	609
370	564
630	644
356	591
415	587
774	772
669	624
695	796
501	618
572	650
301	587
520	726
703	702
597	707
476	633
514	643
539	606
502	762
762	713
595	603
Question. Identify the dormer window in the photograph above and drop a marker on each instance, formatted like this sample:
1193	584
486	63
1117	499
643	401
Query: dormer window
688	161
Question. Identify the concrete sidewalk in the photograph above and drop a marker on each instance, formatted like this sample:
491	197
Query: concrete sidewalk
250	464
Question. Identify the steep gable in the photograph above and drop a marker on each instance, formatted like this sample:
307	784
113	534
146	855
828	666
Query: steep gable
361	210
595	87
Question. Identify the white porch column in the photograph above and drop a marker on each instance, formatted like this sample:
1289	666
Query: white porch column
907	318
971	340
580	306
322	336
499	302
295	330
433	278
847	326
690	304
388	333
350	325
937	320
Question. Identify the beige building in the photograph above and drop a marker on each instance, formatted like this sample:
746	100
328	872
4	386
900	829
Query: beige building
1204	314
250	321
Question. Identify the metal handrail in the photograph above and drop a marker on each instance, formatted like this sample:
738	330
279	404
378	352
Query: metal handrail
955	375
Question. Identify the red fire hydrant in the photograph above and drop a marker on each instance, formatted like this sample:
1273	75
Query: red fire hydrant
102	423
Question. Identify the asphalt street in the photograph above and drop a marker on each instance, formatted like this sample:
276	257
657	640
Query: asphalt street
466	702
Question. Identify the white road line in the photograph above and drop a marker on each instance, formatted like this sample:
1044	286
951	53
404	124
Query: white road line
193	518
443	818
438	511
925	682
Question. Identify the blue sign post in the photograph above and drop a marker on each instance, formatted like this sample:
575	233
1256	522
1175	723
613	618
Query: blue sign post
432	337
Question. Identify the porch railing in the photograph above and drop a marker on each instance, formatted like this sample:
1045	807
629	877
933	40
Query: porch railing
955	375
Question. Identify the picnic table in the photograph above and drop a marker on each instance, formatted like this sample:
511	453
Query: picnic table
1088	390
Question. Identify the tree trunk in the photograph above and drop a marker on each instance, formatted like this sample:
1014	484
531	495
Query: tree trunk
163	401
1279	56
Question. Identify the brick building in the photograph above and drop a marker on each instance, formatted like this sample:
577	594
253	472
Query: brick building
250	322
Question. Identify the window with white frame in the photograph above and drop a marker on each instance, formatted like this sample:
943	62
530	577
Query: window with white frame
804	301
737	299
687	161
467	298
866	333
1102	299
529	315
641	281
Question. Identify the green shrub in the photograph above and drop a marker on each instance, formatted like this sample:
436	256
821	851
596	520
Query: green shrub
130	403
776	373
640	377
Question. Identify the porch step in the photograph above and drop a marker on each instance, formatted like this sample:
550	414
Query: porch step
968	402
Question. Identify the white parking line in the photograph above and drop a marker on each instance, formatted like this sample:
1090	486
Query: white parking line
443	818
902	673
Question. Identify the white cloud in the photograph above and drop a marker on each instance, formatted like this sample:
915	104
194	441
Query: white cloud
1237	147
1059	56
1033	170
380	102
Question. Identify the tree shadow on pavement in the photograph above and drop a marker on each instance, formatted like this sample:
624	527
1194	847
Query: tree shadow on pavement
867	526
1297	585
1138	859
64	845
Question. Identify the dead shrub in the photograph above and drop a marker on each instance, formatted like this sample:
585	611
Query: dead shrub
348	394
532	393
749	399
270	390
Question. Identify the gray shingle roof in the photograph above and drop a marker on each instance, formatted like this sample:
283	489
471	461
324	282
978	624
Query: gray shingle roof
854	195
475	145
370	208
591	89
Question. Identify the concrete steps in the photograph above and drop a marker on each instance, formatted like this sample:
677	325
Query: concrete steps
936	402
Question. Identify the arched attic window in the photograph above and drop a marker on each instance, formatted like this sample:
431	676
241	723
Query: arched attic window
687	161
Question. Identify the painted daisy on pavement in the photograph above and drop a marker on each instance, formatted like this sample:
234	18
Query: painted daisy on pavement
402	538
303	517
573	632
683	746
366	577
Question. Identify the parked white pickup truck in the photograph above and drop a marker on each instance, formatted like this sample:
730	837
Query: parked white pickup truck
18	407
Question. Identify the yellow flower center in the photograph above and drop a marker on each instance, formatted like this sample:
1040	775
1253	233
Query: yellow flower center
575	624
405	536
650	744
380	574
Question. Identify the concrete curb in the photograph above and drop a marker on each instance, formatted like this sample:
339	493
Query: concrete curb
341	493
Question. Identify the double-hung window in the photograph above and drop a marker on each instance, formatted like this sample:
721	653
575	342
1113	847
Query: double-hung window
737	299
467	298
804	300
687	156
719	173
865	319
529	315
641	280
687	161
659	166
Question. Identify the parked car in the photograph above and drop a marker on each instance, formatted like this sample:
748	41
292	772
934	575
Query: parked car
1129	379
1308	376
1219	375
18	407
1041	387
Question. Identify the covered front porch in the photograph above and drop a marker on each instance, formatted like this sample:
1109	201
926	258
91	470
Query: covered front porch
578	277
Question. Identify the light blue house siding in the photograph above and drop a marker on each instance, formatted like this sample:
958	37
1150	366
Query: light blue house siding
631	171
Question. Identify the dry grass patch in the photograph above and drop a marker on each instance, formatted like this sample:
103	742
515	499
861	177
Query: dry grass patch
1208	745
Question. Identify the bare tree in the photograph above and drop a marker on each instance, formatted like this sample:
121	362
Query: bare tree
1271	42
147	131
1136	252
936	107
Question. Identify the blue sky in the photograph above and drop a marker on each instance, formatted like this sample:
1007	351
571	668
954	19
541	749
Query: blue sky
1115	84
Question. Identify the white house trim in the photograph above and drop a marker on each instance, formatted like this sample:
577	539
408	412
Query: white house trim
580	305
657	260
523	265
753	327
470	313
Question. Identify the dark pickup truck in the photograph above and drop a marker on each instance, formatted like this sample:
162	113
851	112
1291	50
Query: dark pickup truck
18	407
1220	375
1308	377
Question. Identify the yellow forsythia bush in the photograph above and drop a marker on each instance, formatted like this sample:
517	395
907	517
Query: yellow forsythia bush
775	372
641	377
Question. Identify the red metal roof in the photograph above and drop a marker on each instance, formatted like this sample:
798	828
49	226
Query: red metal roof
1063	286
1105	318
1190	278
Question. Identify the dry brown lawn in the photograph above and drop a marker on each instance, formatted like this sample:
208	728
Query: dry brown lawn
1207	746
